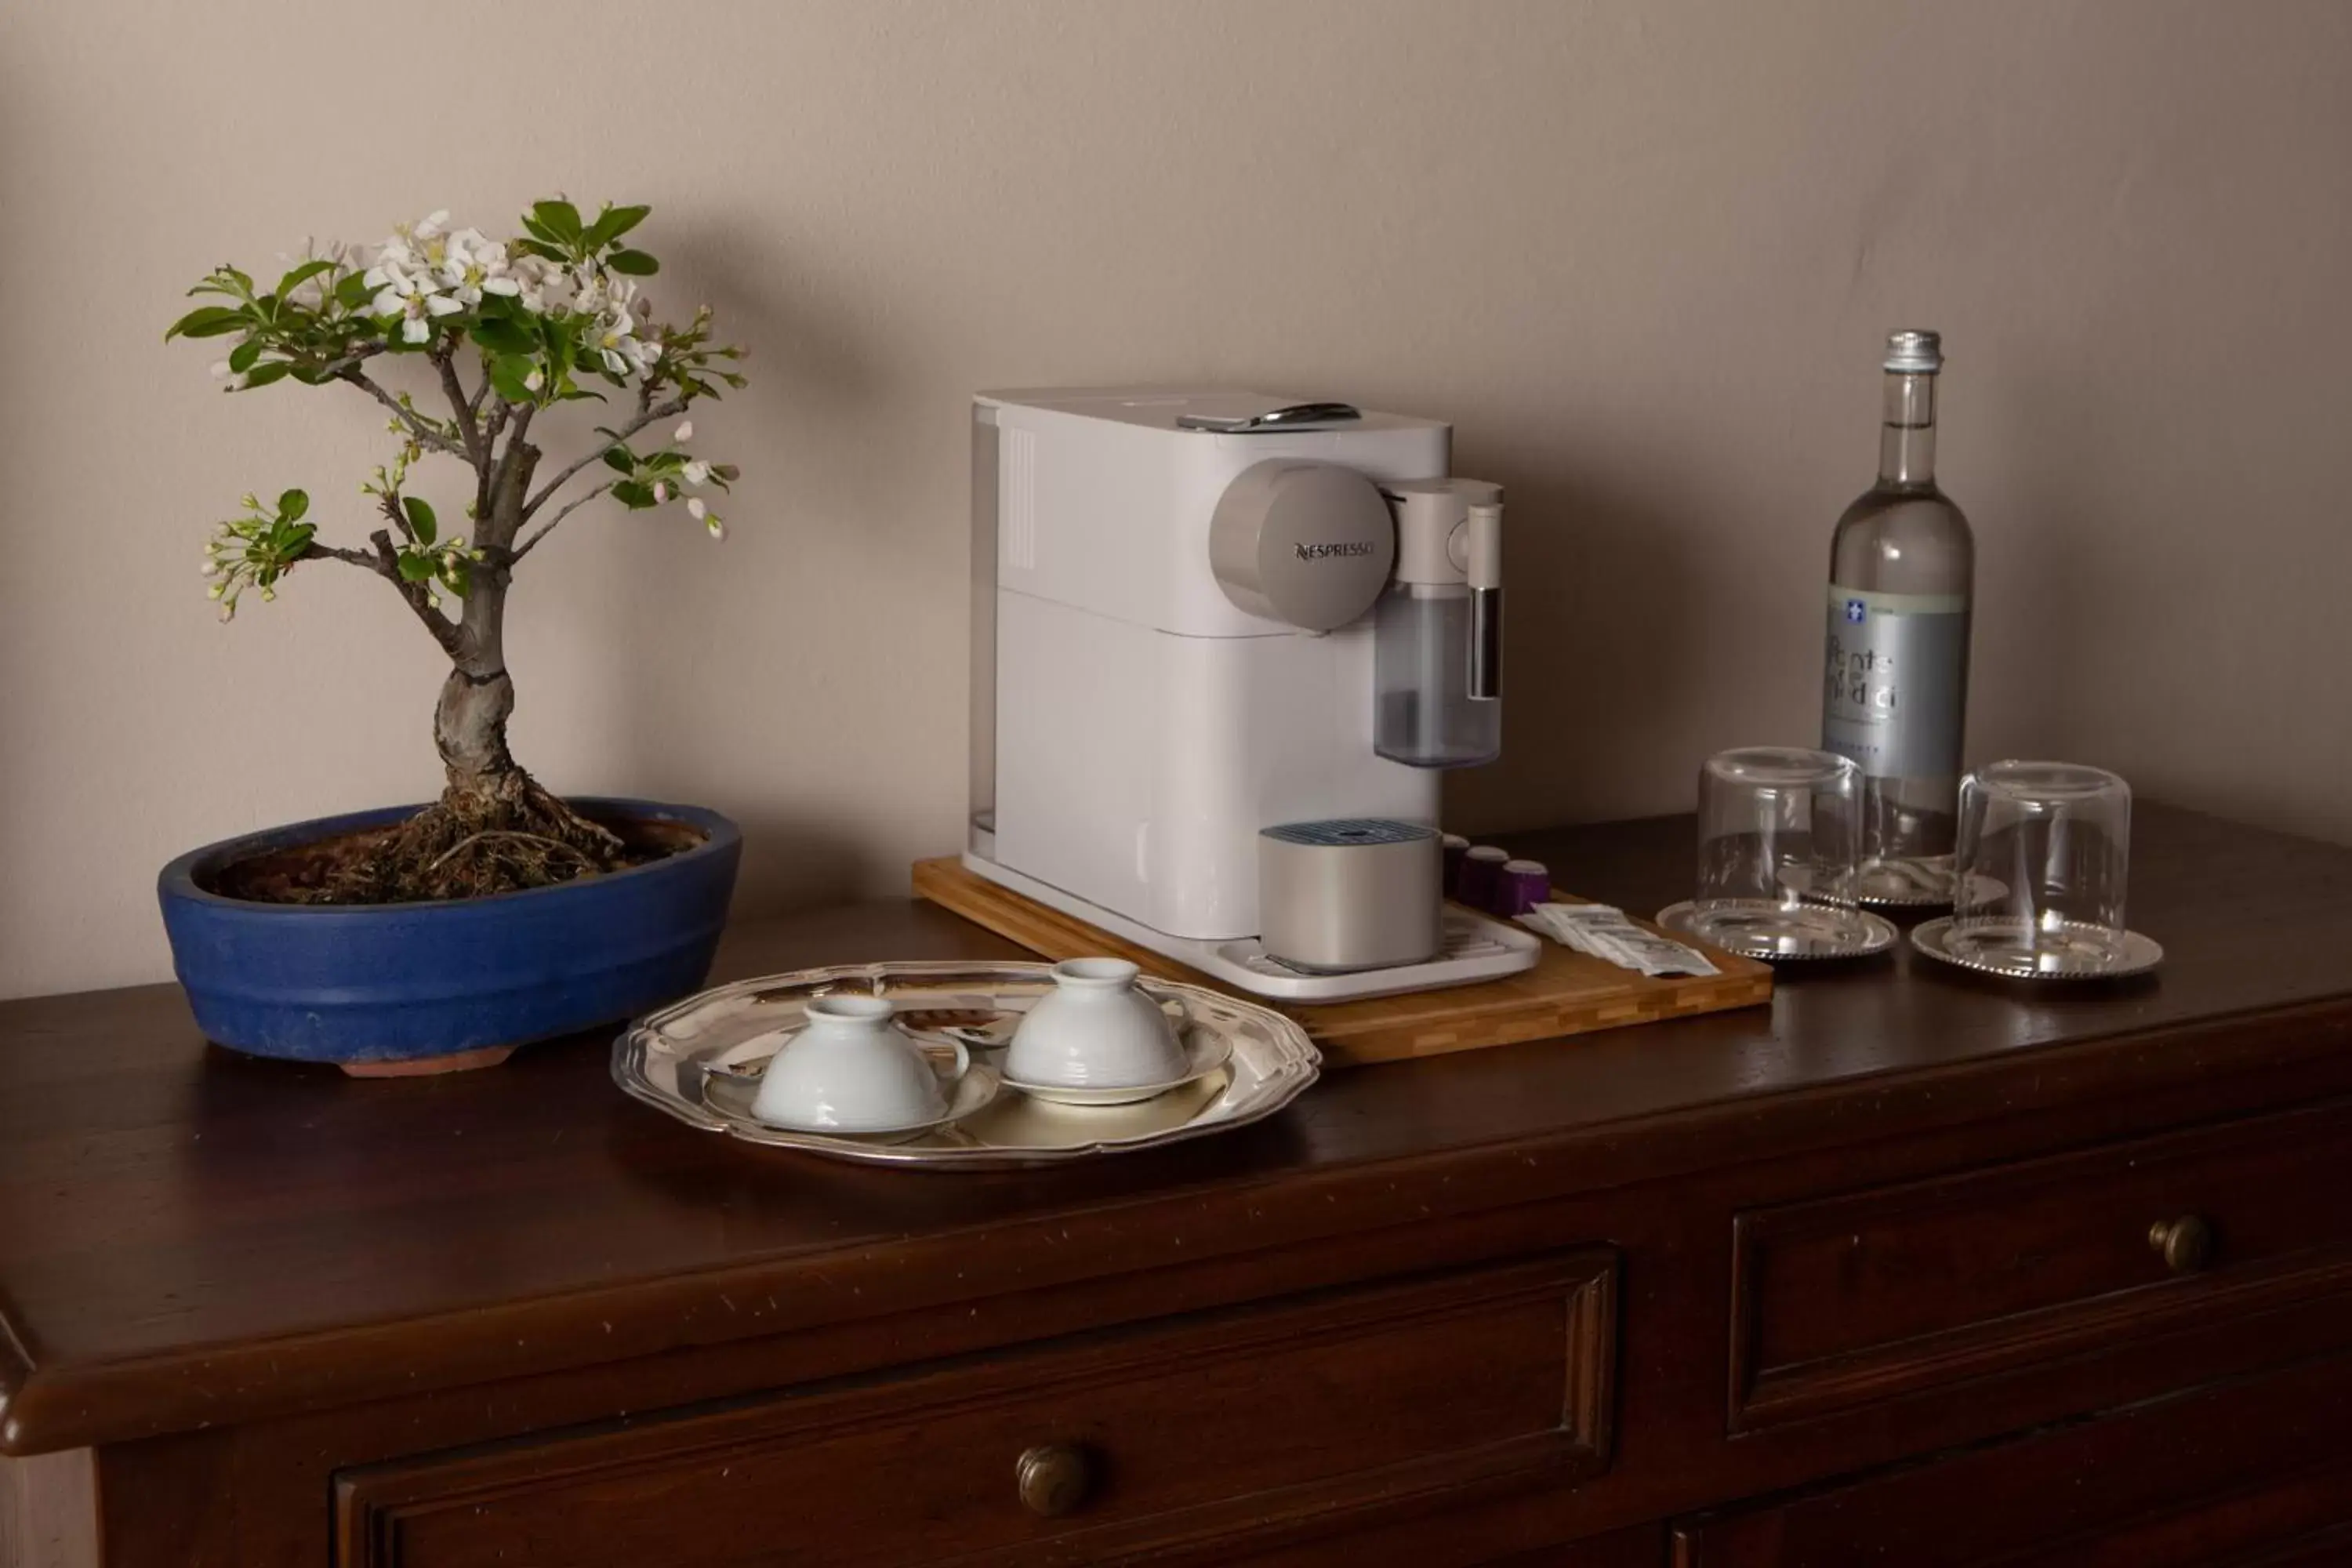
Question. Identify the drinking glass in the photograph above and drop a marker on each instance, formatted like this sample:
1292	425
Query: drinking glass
1779	838
2040	869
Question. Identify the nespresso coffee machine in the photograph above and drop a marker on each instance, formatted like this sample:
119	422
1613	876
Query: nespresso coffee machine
1223	644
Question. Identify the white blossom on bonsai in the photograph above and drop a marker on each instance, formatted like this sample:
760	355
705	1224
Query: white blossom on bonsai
551	316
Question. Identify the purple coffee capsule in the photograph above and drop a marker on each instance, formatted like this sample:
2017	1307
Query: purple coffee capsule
1482	877
1523	884
1455	848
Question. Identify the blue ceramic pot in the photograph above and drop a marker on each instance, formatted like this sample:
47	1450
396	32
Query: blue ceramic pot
377	985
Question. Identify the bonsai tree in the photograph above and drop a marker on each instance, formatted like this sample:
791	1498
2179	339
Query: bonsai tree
502	331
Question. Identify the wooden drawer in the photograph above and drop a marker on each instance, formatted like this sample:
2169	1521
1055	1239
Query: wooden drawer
1845	1302
2251	1474
1217	1426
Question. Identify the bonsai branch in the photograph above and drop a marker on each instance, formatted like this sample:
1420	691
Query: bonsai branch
460	406
385	563
420	597
574	504
645	416
518	423
318	551
493	424
415	423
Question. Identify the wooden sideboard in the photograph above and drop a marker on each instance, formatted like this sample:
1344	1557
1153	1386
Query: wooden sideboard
1905	1268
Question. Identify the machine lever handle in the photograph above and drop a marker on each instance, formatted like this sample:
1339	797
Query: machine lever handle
1484	571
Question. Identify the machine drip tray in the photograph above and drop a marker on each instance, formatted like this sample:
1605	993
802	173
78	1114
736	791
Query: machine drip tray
1469	938
1477	948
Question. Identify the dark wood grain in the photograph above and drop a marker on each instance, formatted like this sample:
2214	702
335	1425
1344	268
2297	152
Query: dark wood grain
1237	1423
1883	1292
242	1280
2237	1473
186	1234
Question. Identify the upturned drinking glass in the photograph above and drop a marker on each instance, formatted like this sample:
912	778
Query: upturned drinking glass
2039	869
1779	839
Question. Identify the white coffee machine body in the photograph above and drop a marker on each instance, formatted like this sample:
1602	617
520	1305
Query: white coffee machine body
1133	727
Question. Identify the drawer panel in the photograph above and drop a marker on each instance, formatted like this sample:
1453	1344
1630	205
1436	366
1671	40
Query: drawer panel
2257	1471
1319	1405
1846	1301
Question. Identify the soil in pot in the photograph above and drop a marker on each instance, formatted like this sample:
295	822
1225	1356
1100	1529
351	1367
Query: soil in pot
381	866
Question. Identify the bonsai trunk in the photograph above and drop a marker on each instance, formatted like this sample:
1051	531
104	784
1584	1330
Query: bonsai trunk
494	829
469	722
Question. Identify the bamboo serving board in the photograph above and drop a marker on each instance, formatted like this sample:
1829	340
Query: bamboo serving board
1567	992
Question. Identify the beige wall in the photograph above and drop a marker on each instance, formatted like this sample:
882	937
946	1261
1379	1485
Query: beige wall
1641	253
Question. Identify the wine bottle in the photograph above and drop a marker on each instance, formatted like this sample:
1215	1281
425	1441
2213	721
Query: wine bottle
1895	683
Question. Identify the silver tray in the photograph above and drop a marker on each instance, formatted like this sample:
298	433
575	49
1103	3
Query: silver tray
699	1060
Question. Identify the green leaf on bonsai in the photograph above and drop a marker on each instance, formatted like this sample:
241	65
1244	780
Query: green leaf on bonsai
292	504
618	458
635	263
504	335
508	374
300	275
458	574
633	495
207	322
612	223
241	358
415	568
559	217
352	292
263	375
421	521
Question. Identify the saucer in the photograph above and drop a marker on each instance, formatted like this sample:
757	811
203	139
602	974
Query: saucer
1829	932
2137	955
1204	1053
968	1096
1925	882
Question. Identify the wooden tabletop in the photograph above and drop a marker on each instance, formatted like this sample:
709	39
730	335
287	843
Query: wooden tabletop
191	1237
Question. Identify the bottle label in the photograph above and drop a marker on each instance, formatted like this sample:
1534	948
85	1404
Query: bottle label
1895	681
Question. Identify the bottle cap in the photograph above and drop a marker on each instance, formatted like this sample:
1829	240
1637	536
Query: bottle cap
1913	353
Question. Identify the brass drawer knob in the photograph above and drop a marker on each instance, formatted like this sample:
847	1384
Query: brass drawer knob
1054	1479
2186	1244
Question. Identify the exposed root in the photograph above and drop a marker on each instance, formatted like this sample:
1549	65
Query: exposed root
498	835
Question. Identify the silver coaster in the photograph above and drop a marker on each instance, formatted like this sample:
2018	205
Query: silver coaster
1925	883
1204	1053
1778	934
1987	955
